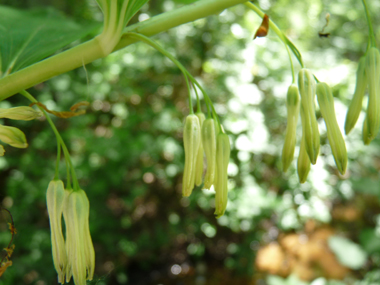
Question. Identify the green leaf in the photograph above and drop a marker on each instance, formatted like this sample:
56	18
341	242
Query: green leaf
29	36
348	253
185	1
369	240
133	7
366	185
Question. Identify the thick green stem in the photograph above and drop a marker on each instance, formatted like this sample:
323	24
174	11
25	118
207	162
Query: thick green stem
92	50
48	68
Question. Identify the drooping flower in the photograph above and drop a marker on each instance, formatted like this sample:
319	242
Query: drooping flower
338	146
293	109
13	136
209	145
199	162
306	85
23	113
223	150
191	141
55	197
79	247
303	162
372	71
355	107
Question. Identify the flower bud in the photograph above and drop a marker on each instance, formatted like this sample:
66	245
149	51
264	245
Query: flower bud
199	163
79	248
223	150
373	74
303	162
293	107
55	197
355	107
366	138
89	251
306	84
23	113
13	136
209	145
338	146
191	140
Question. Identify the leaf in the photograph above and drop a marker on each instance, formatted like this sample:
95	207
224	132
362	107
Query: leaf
366	185
66	114
369	240
262	31
29	36
133	7
348	253
185	1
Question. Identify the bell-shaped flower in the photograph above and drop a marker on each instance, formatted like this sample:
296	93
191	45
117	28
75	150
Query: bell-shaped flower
199	163
55	197
366	138
79	247
338	146
306	85
355	107
293	108
191	141
13	136
209	145
303	162
372	71
23	113
373	75
223	151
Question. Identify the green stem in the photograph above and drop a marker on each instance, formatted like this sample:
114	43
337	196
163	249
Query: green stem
180	66
291	65
191	111
172	58
92	50
199	109
60	140
279	33
371	33
56	176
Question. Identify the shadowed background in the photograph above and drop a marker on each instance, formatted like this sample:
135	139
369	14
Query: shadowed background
129	156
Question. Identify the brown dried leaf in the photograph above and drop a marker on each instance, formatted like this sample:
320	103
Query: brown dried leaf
4	267
65	114
262	31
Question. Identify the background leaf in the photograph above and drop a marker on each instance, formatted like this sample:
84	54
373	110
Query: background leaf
347	252
29	36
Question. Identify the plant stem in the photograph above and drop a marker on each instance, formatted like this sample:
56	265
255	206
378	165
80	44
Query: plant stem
291	65
59	140
56	176
181	67
89	51
279	33
371	33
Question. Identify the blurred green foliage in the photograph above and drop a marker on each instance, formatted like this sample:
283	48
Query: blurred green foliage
129	156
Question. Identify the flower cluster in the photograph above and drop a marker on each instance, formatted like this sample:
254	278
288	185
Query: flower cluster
205	136
310	141
11	135
76	256
368	74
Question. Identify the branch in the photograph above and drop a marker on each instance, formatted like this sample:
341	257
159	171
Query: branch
91	50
